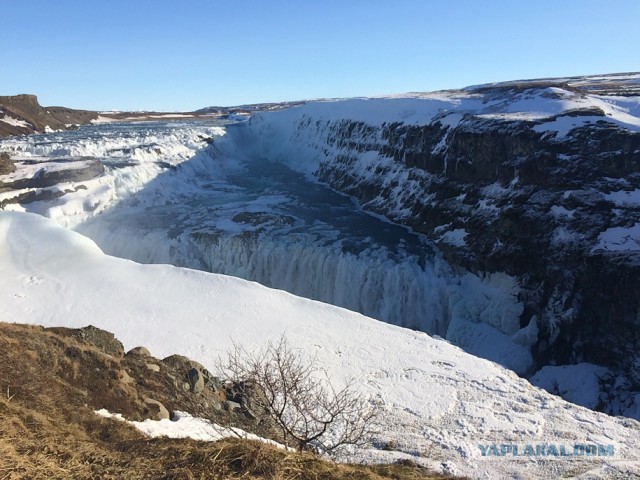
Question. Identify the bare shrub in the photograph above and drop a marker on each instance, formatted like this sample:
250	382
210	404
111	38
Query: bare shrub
299	397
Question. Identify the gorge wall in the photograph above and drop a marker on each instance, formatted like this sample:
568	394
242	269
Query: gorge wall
540	180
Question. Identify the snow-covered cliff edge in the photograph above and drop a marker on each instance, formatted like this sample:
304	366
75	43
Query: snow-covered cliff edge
539	180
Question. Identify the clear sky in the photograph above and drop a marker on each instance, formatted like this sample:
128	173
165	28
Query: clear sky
187	54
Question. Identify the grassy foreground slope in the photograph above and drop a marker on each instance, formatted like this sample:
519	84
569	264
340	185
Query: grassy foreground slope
52	381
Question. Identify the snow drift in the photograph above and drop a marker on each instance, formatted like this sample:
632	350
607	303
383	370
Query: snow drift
439	402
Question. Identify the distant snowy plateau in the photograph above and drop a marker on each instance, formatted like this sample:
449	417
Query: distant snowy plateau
500	221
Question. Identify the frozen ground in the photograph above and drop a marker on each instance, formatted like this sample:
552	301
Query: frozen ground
439	403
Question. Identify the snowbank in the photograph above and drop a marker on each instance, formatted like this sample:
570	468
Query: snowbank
438	402
183	425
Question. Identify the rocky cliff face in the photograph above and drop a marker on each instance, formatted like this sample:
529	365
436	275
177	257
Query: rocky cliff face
22	114
540	180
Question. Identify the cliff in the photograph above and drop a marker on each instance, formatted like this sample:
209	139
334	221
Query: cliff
22	114
536	179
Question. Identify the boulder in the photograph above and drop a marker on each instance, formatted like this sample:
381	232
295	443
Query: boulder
157	410
139	351
153	367
196	380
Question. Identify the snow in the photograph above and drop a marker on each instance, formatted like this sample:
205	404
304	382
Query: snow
561	126
435	394
305	137
619	239
16	122
184	425
171	115
563	236
576	383
549	107
624	198
438	403
560	212
455	237
102	119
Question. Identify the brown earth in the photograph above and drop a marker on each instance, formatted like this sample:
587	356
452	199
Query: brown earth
52	381
26	107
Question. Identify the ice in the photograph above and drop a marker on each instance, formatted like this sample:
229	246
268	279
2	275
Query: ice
171	170
133	157
427	297
141	211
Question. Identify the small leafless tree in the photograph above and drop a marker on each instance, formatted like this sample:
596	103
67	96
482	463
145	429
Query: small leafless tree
299	397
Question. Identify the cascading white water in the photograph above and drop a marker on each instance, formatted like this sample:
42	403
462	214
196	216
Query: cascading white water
403	293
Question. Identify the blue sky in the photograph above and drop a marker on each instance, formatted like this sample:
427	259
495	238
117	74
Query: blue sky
188	54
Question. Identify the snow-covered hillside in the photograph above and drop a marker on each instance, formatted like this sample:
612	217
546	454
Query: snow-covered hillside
440	404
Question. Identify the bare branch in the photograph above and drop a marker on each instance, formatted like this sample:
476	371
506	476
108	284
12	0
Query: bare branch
299	397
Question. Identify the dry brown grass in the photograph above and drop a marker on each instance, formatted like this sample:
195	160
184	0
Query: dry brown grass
48	430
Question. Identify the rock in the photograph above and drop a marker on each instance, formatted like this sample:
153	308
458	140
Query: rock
139	351
6	165
197	377
157	410
177	362
532	203
36	118
43	178
196	380
231	406
101	339
126	378
153	367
